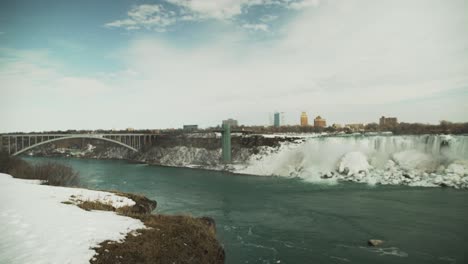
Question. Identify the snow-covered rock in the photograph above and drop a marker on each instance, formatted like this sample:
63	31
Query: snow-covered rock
353	163
456	169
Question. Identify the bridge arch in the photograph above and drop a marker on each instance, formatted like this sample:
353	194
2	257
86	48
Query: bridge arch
71	137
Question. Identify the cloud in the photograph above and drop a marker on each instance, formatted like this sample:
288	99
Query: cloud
220	9
35	88
352	55
256	27
152	17
268	18
157	17
303	4
227	9
349	61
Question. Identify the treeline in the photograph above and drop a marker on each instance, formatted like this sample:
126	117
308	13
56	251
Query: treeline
444	127
49	173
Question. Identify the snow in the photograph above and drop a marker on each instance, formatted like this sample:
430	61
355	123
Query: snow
353	163
414	159
36	227
426	160
291	135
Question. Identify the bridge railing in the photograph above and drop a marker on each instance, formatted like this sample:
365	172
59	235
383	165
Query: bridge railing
18	143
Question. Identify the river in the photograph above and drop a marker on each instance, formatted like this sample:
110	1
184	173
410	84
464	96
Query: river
264	219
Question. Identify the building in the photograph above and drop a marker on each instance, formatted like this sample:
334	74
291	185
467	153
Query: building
388	121
190	127
231	122
320	122
337	126
276	119
130	129
304	119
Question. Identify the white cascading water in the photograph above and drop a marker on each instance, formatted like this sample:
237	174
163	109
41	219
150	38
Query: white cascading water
427	160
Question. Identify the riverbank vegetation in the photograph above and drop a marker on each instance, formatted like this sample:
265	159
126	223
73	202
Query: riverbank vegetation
50	173
402	128
167	238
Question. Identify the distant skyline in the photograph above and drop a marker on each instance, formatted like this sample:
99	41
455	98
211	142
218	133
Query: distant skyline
161	64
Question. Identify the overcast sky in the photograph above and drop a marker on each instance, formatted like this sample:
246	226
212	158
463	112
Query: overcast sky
161	64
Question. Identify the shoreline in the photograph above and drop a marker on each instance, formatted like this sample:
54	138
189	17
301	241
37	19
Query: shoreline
103	209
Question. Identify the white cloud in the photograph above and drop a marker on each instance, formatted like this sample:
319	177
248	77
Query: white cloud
268	18
227	9
303	4
348	61
220	9
337	63
256	27
34	88
156	17
153	17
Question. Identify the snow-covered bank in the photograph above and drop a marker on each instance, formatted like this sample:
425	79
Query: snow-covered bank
36	227
428	160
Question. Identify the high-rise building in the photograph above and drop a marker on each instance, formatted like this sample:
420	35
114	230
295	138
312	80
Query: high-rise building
231	122
304	119
320	122
276	119
388	121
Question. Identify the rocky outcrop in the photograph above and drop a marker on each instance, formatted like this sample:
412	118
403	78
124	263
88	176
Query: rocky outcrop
374	242
142	205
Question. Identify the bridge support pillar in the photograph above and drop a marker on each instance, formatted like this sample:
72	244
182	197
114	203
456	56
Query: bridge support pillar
226	143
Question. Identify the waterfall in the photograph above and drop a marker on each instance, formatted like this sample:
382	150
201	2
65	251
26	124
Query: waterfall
316	157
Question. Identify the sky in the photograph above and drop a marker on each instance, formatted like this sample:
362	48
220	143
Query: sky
113	64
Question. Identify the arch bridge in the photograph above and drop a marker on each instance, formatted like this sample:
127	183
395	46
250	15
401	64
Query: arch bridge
16	144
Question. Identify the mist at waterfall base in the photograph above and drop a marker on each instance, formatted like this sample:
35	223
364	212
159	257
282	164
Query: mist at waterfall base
427	160
288	220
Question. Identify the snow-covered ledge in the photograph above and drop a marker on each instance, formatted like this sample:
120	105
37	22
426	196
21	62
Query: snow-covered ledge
36	227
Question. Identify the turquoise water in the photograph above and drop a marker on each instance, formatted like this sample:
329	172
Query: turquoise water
278	220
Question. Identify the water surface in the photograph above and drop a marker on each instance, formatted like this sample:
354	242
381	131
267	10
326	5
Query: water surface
279	220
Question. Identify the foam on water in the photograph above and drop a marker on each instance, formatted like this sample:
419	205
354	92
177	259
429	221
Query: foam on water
426	160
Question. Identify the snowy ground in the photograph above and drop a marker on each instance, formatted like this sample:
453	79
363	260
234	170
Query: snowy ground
36	227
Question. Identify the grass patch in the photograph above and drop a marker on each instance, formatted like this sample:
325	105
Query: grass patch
169	239
95	205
